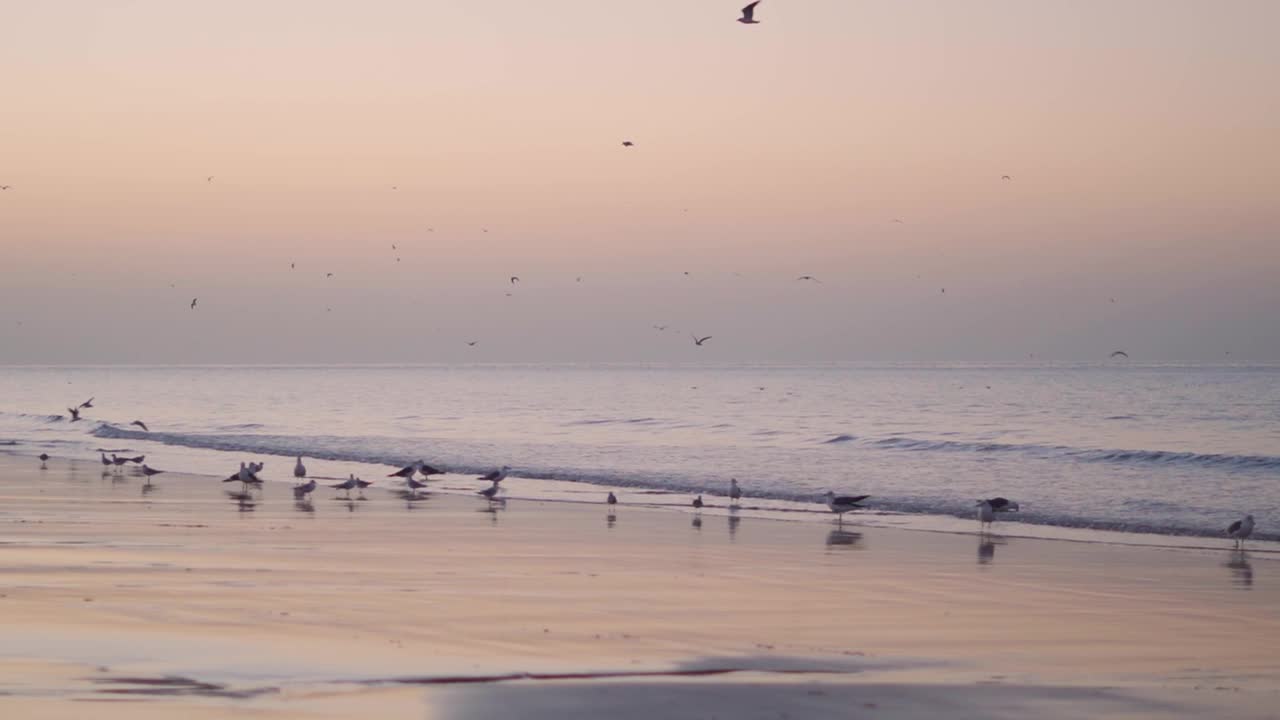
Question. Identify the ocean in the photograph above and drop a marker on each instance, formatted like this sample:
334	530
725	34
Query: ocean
1086	449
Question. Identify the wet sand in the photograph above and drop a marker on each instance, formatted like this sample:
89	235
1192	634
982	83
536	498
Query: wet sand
115	602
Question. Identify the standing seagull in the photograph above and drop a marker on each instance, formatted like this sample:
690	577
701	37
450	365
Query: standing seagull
140	424
118	461
697	503
150	471
408	471
810	278
841	504
299	470
106	463
986	514
749	14
490	493
44	458
735	492
302	491
612	499
496	476
349	484
414	486
1240	530
697	340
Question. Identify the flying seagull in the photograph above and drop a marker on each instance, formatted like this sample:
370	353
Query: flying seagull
328	275
515	279
809	277
1120	353
472	343
749	14
697	340
193	303
140	424
87	403
660	328
1000	504
5	187
1006	177
628	143
209	179
841	504
1241	530
75	414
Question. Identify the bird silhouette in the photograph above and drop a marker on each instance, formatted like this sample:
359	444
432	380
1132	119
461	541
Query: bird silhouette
140	424
749	14
697	340
193	303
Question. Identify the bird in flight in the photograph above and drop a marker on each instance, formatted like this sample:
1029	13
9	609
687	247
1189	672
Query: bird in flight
898	221
293	266
193	303
809	277
328	275
749	14
1006	177
944	291
209	179
75	414
140	424
628	143
5	187
1120	353
697	340
472	343
515	279
87	403
660	328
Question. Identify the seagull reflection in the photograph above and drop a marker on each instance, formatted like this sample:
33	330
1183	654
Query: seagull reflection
148	488
610	520
733	526
243	499
349	504
1241	569
304	505
839	539
697	522
987	547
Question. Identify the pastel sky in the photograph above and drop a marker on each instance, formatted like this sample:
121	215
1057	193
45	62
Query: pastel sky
483	140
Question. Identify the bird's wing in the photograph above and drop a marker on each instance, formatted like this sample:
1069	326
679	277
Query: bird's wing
749	11
850	499
1234	527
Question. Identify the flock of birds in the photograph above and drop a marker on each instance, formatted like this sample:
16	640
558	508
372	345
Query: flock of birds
247	476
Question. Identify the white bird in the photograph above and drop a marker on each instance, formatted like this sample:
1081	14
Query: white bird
749	14
841	504
299	470
735	492
986	514
1240	530
302	491
496	476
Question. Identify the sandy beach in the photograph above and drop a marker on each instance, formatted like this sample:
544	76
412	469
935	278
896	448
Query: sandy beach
116	601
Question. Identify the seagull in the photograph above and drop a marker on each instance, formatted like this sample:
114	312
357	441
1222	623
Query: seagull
899	221
735	492
44	458
209	179
347	485
1006	177
5	187
75	414
140	424
106	463
698	341
1120	353
809	277
362	484
628	143
414	485
299	470
328	275
118	461
302	491
408	471
515	279
986	514
841	504
749	14
193	303
660	328
245	476
697	502
490	493
136	460
88	403
256	467
149	471
612	499
472	343
1241	530
496	476
1000	504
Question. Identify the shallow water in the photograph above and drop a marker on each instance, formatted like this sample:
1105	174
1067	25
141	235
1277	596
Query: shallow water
1173	450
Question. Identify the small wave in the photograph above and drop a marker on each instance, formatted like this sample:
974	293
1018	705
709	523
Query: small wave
617	421
839	439
1122	417
243	426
